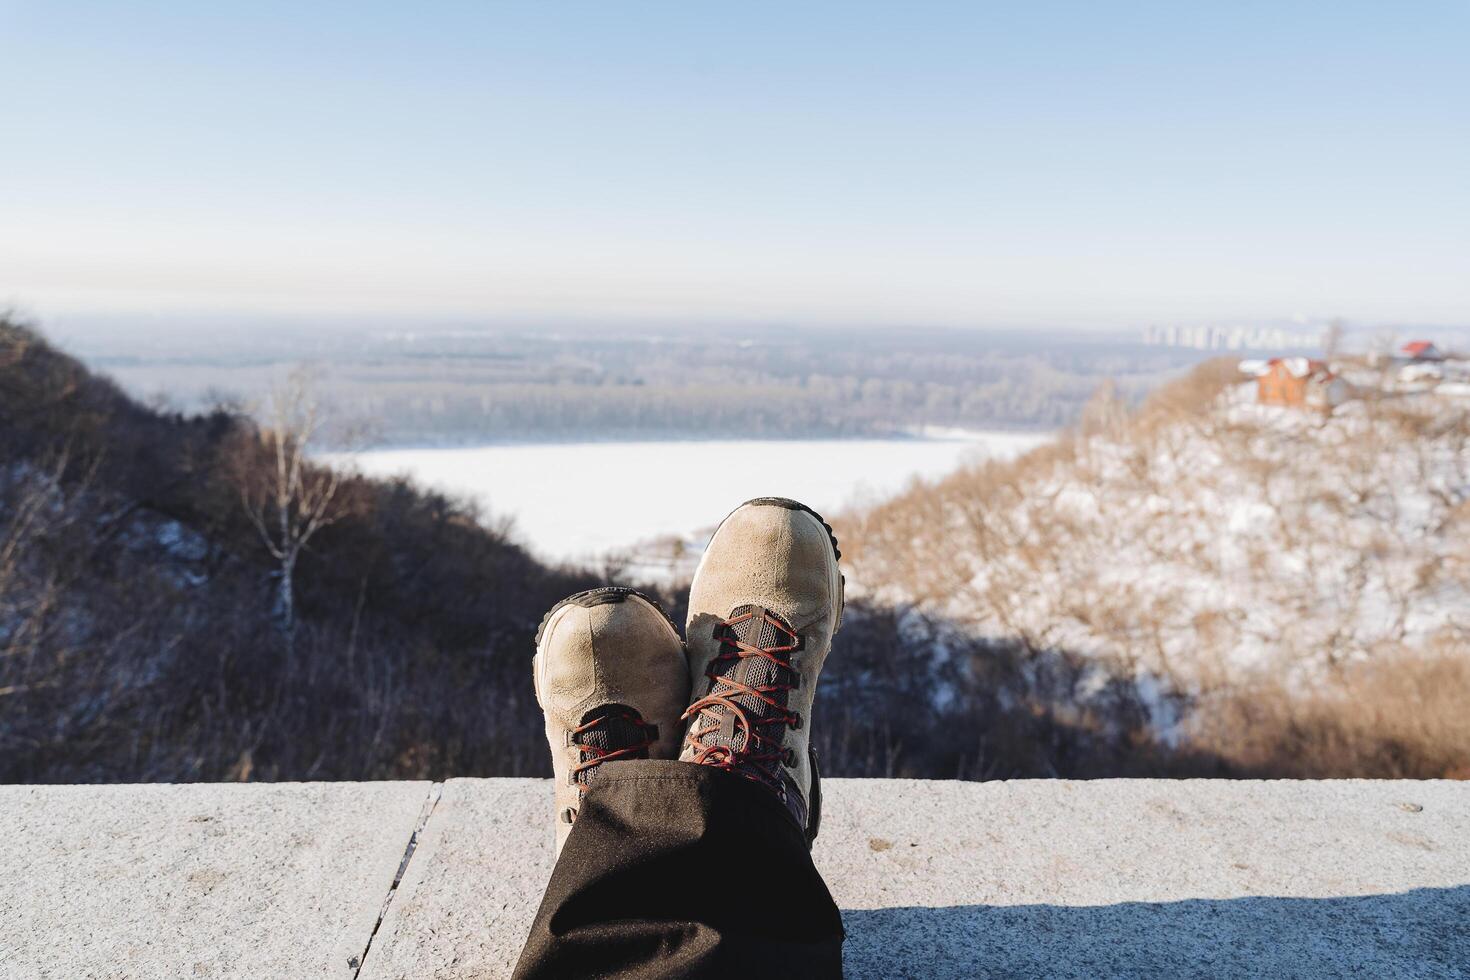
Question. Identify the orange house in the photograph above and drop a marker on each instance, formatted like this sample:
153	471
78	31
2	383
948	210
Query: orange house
1301	383
1421	350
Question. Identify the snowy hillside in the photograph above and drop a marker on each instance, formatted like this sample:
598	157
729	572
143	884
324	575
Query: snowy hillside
1202	587
1205	543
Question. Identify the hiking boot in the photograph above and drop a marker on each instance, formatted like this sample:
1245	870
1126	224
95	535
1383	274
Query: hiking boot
765	601
611	676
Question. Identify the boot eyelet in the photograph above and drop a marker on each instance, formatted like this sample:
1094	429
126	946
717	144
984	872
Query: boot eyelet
796	682
568	815
790	760
796	722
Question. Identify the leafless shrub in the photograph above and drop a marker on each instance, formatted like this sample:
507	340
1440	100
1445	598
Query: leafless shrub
1400	720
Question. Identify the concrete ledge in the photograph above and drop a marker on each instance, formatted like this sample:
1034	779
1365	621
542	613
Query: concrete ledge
935	879
197	881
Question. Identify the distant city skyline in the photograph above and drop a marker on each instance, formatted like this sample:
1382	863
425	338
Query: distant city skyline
1236	337
947	164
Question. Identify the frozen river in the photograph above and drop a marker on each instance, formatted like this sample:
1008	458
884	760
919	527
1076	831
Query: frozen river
583	500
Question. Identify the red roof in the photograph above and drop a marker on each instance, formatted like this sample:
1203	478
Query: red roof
1417	347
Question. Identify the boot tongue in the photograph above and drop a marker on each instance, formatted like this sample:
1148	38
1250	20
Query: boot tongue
757	672
617	727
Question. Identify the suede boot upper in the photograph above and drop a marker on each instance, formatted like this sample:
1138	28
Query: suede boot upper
612	680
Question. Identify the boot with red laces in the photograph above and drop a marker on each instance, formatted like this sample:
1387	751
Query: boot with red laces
765	602
611	678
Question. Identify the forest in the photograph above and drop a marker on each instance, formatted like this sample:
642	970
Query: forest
474	386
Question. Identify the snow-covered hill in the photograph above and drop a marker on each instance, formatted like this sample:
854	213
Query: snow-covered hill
1202	544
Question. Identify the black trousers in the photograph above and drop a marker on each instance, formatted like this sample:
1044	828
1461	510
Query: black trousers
678	870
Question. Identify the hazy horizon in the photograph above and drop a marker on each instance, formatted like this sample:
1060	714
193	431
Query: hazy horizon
1057	164
91	332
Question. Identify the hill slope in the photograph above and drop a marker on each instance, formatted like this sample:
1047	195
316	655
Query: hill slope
1195	588
138	634
1200	559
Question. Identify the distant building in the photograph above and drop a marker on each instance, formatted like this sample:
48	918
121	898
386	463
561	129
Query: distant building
1255	367
1421	350
1210	337
1300	382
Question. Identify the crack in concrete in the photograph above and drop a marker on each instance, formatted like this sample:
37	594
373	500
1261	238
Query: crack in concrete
432	800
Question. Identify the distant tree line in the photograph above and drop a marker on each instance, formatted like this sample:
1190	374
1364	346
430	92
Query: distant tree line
788	384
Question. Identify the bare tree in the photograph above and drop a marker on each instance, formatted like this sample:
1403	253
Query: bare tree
299	498
36	509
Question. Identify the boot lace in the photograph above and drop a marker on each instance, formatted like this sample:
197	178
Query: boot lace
740	724
615	732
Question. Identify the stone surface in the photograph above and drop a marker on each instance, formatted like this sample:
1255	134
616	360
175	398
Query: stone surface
1043	878
258	881
467	900
1151	878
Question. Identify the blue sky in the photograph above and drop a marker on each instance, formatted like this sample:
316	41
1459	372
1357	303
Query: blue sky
967	163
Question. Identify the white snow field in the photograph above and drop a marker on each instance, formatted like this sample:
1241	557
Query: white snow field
575	501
